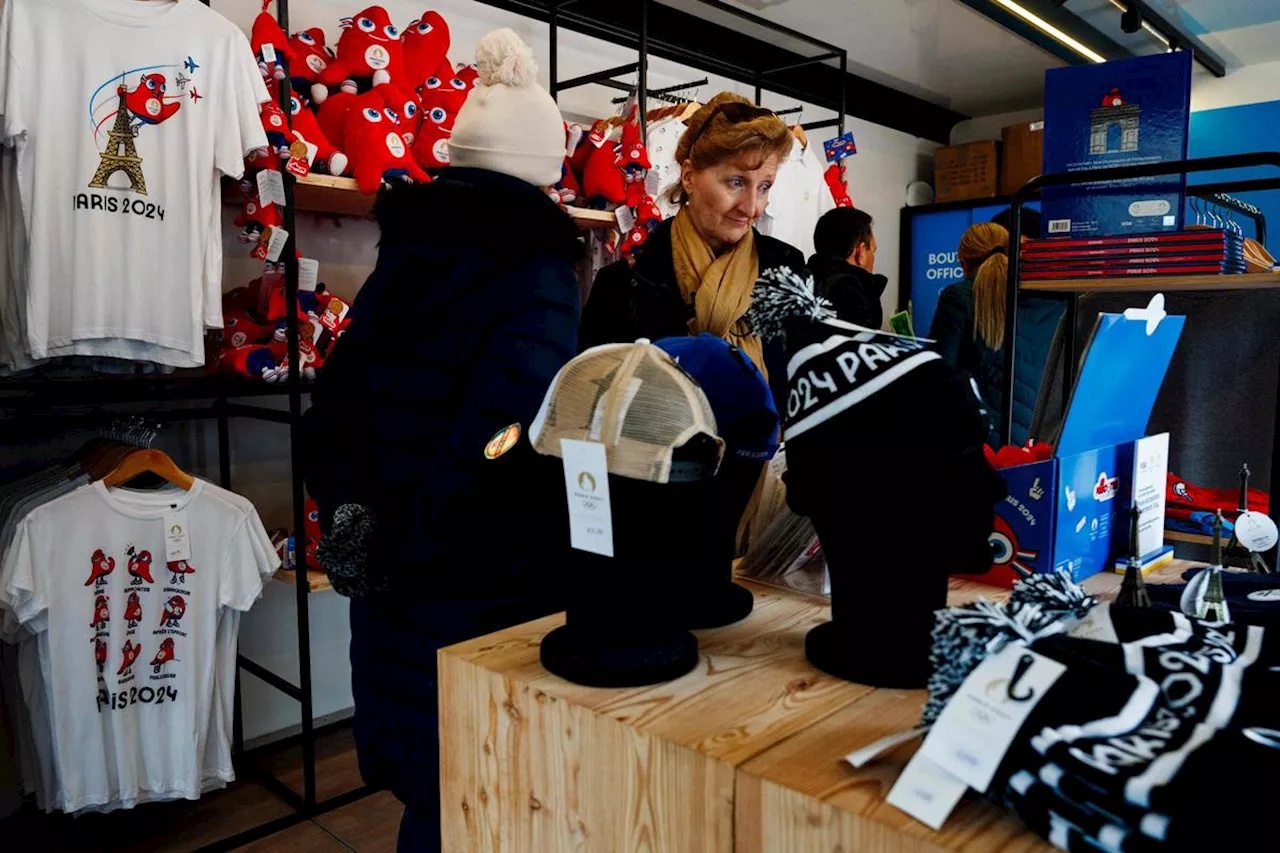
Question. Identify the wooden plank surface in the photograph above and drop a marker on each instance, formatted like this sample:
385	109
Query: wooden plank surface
800	795
532	763
1141	283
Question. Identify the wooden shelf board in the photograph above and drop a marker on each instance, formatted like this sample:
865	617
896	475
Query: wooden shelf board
327	194
316	579
1134	283
1191	538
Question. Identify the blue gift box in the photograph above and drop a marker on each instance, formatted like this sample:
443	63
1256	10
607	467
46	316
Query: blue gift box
1071	511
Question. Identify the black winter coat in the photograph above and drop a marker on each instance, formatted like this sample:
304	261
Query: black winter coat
853	292
644	301
456	334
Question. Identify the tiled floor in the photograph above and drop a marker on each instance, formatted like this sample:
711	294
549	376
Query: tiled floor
368	825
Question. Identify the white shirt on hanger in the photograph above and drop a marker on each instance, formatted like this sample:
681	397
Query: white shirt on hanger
798	199
664	137
123	114
134	652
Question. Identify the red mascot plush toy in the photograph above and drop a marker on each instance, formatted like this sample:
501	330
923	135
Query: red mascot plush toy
403	107
603	181
306	128
425	43
311	58
431	145
255	216
270	47
450	94
835	182
332	117
377	149
369	50
633	162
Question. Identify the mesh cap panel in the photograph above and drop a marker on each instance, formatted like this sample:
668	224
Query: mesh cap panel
633	399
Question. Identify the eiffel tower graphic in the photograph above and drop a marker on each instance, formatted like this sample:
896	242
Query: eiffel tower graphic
120	155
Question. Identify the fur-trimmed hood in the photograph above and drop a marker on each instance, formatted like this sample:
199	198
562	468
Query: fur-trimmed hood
477	208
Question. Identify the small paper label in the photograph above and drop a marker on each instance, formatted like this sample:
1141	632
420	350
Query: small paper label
177	539
1037	126
270	187
653	182
1265	596
268	53
276	244
298	167
926	791
586	482
308	274
626	219
975	730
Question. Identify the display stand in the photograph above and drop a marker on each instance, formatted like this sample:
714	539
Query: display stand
1134	284
742	754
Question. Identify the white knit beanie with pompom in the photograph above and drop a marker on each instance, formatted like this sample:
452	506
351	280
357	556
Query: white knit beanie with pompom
509	123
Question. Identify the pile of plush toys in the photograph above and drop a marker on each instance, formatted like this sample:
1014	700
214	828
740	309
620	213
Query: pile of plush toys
253	343
380	107
606	169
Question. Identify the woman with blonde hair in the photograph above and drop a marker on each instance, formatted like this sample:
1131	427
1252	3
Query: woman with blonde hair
969	329
697	270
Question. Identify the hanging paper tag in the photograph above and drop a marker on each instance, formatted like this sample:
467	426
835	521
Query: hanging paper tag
885	745
275	245
586	482
268	53
926	791
177	539
653	182
308	274
841	147
270	187
311	152
976	729
1256	531
626	219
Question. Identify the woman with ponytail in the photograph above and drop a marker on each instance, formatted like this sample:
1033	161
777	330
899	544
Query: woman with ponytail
969	328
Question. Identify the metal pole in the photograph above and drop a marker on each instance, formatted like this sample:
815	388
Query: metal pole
301	587
642	81
1011	314
759	91
224	444
554	63
844	86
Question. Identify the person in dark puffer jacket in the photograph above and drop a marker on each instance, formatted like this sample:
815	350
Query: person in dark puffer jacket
414	440
968	329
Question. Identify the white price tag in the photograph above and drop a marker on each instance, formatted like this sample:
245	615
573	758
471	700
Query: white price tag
177	539
653	182
1037	126
268	53
1256	531
312	150
308	274
586	482
278	238
886	744
926	791
626	219
270	187
976	729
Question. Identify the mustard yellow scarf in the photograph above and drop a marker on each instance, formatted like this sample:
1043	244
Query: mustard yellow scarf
719	287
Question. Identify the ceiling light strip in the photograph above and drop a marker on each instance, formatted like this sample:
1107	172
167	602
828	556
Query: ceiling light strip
1050	30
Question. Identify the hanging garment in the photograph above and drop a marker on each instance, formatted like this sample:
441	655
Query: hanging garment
799	197
122	117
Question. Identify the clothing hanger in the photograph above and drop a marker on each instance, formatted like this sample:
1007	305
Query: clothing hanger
142	461
798	132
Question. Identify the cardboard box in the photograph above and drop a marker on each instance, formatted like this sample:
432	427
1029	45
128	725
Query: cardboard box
1021	155
1072	511
962	172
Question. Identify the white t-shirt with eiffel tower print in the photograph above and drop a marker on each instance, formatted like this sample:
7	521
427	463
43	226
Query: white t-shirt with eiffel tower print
128	639
124	113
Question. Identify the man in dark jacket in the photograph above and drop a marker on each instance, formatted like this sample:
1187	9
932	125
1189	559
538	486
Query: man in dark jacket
414	441
844	266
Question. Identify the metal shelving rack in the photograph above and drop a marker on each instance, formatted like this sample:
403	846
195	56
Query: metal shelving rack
1073	289
47	404
561	12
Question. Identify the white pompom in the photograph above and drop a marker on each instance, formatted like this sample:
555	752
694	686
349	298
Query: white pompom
502	57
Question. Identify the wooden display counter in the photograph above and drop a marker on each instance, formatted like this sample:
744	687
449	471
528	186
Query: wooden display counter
742	754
